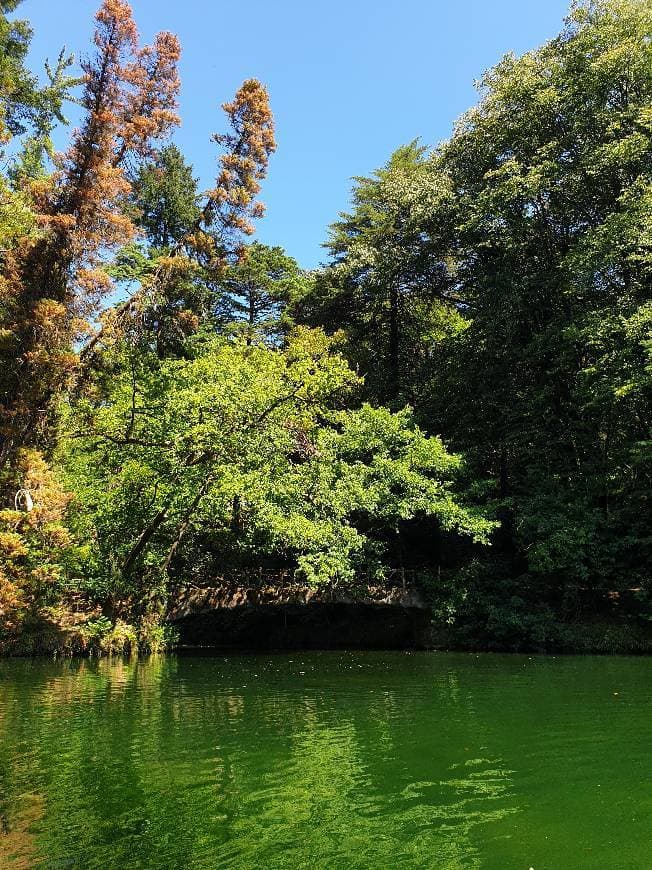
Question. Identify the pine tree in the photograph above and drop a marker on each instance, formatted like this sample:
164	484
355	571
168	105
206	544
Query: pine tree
257	291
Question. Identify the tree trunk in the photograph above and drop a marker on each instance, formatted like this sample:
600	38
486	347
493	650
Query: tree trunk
183	528
145	537
251	318
394	340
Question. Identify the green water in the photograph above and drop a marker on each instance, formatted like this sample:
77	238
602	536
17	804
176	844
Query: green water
327	760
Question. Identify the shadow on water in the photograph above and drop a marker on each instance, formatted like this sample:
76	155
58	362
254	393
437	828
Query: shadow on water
319	625
333	760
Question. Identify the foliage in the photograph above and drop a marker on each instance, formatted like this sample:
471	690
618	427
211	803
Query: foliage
64	216
532	224
51	283
242	449
257	292
164	202
35	546
479	345
178	280
165	198
554	169
388	287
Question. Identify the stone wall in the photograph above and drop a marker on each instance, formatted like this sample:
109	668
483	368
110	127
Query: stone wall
296	616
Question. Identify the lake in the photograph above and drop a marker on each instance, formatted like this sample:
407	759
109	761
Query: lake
327	760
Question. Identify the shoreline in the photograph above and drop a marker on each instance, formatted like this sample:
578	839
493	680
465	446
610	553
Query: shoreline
587	638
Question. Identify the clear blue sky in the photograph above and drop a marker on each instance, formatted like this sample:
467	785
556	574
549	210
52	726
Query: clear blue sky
350	81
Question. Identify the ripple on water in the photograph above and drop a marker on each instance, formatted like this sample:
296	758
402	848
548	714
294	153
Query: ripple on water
351	760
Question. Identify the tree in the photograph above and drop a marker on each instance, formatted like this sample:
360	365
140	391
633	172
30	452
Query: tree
35	544
28	114
157	465
27	109
553	177
388	287
165	199
51	276
51	282
257	291
197	261
164	204
531	225
551	173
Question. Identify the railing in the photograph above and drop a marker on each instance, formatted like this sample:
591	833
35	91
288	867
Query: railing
393	578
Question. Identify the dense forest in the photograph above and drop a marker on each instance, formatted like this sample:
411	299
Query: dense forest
463	390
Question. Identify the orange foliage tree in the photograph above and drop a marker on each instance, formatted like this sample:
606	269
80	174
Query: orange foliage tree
33	543
52	282
248	146
215	237
54	267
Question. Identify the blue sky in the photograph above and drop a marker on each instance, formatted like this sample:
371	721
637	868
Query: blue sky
349	80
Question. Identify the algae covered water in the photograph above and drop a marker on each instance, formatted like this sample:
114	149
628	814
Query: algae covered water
327	760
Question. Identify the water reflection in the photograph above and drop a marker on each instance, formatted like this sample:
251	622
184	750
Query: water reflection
326	760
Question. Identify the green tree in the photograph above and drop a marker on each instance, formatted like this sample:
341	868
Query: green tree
257	291
165	198
27	107
161	464
533	225
553	173
28	114
388	287
164	203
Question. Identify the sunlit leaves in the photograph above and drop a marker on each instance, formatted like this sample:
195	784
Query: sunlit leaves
243	421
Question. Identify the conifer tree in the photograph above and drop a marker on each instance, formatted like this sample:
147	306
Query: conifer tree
257	291
52	282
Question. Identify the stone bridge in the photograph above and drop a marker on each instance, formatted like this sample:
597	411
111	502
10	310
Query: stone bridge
276	610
